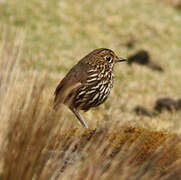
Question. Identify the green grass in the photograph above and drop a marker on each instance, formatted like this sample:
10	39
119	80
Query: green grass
54	35
59	33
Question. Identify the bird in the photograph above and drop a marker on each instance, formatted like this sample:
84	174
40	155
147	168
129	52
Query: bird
88	83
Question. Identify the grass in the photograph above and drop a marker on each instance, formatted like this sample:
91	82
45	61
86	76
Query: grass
39	42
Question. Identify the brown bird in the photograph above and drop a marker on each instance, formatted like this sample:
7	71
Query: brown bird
88	83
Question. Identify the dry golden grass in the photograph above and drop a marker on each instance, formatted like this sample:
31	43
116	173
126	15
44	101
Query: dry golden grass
38	144
40	41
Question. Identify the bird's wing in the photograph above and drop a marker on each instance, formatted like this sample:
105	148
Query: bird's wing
75	78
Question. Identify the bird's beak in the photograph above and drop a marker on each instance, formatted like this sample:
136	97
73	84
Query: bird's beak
120	59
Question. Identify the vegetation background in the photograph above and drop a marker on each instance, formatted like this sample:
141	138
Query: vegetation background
40	41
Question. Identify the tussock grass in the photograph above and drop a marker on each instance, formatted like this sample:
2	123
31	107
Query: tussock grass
38	144
39	42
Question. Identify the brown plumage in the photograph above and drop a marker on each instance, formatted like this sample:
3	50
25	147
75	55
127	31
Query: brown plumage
88	83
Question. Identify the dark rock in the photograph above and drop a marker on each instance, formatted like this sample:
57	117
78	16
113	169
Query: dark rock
178	104
142	57
165	104
142	111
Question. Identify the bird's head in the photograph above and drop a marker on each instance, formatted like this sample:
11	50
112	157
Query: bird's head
104	56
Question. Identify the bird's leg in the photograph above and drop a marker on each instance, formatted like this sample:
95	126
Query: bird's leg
79	117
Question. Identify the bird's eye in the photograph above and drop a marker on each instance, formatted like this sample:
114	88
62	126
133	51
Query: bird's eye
108	58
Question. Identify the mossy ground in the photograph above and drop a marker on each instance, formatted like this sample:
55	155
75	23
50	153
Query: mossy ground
40	41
